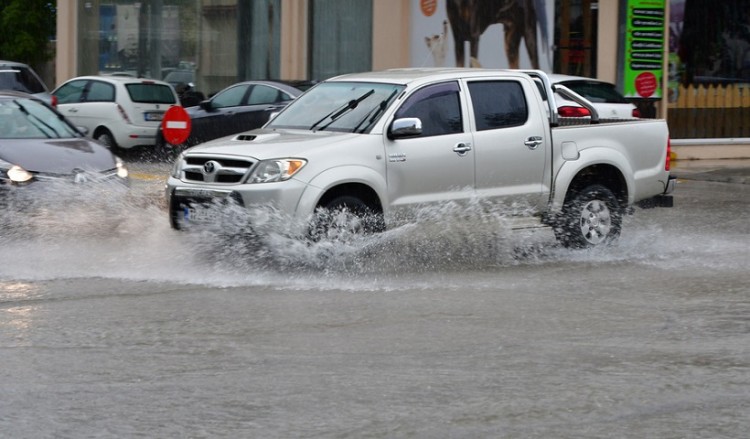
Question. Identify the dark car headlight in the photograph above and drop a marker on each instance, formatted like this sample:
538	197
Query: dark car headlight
14	173
122	170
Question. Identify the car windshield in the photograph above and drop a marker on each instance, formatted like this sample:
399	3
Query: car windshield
150	93
23	118
597	92
338	106
20	79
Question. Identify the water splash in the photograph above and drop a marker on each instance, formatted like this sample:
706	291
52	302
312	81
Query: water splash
125	236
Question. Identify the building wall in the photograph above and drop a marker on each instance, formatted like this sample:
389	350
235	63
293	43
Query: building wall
67	49
390	40
391	19
608	37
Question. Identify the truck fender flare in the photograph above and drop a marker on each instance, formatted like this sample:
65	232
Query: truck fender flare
338	176
589	157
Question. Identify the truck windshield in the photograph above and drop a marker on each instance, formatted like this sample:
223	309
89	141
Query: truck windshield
338	106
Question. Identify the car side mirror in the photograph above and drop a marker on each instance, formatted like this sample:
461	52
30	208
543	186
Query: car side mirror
405	127
206	105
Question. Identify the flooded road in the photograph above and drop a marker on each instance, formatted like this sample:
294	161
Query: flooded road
438	329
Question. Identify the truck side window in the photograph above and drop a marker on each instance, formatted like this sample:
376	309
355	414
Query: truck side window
437	106
498	104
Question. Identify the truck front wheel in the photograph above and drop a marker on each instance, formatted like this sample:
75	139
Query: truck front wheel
344	217
590	217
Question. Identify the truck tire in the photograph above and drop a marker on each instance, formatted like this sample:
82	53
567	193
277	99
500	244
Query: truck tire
344	217
590	217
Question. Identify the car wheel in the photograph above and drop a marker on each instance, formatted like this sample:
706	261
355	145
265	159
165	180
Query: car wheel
590	217
106	138
344	218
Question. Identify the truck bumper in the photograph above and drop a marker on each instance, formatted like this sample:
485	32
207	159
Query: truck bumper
662	200
193	203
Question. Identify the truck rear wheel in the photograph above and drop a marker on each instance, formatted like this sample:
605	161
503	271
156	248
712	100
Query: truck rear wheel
343	218
590	217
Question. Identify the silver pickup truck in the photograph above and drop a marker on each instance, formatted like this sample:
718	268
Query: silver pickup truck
378	146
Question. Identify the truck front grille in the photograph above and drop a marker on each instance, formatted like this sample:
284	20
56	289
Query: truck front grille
221	170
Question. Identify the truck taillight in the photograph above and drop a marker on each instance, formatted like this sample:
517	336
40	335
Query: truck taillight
570	111
53	101
636	113
668	161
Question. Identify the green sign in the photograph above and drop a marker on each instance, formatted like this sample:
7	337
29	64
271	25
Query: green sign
645	40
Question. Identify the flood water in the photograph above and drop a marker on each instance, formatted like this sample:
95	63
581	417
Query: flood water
453	326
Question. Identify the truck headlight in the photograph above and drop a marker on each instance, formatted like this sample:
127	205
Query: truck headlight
269	171
14	173
177	166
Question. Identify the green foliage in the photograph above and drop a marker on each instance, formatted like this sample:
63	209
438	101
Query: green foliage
26	27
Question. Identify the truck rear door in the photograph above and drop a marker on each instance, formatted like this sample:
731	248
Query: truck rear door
511	141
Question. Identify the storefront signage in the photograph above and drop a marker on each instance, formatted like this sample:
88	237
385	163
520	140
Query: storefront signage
644	49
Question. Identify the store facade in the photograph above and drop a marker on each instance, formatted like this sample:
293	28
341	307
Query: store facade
224	41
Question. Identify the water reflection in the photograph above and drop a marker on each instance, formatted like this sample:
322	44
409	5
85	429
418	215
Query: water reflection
16	314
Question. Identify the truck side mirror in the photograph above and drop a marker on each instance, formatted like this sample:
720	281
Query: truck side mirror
405	127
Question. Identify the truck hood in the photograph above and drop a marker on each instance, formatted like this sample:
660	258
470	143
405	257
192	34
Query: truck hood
273	143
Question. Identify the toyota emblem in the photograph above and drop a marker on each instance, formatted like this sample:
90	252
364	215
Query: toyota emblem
210	167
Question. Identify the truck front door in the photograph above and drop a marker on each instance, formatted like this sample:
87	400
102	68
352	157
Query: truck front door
438	164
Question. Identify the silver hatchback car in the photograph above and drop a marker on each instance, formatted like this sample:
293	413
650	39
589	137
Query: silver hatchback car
18	76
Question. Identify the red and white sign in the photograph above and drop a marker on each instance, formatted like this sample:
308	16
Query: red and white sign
645	84
176	125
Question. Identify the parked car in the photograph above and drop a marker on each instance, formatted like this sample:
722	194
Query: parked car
237	108
177	77
118	111
183	82
39	147
20	77
608	102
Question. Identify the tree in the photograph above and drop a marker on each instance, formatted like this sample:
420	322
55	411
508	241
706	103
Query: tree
26	27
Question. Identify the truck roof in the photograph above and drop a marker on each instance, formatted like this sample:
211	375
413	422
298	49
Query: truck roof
421	74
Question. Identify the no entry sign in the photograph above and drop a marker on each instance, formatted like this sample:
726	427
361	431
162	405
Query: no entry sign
176	125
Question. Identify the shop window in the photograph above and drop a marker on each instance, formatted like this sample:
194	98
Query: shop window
340	37
575	37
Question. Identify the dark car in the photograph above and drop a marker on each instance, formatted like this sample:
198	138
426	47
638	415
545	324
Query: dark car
240	107
18	76
41	150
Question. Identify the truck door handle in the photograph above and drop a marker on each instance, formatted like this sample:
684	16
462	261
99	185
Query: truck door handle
462	148
533	142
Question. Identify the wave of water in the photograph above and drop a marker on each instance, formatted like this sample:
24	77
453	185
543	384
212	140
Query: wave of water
128	237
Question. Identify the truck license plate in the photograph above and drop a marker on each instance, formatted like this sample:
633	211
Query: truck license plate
199	214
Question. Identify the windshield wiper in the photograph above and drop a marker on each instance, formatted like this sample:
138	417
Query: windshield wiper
30	116
374	113
338	112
